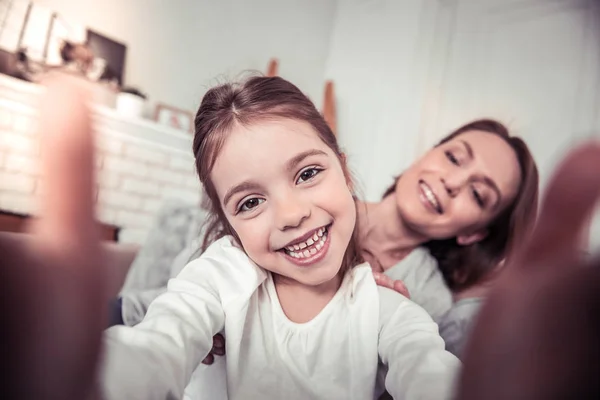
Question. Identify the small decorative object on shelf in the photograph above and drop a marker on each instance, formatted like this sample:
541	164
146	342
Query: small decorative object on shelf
174	117
131	102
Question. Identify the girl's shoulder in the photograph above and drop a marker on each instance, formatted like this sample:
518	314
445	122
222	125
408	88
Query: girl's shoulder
363	289
223	268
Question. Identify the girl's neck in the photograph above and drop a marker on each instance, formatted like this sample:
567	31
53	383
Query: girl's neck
301	303
384	234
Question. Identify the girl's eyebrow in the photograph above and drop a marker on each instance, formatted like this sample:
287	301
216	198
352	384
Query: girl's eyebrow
240	187
297	159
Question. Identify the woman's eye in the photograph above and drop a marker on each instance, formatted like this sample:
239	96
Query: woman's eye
250	204
308	174
478	198
452	158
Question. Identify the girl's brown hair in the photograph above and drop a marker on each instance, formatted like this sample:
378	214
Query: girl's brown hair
463	266
245	103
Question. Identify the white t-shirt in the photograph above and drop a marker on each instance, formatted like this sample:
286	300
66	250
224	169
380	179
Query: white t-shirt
336	355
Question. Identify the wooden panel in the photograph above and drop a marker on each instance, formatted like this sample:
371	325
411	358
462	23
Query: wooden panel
329	111
273	68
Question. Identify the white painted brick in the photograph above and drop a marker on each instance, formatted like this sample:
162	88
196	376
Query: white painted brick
146	187
18	203
13	182
119	200
183	163
109	144
20	163
166	175
19	142
190	196
118	164
108	179
106	214
151	206
22	124
131	219
141	153
132	235
192	183
1	159
5	119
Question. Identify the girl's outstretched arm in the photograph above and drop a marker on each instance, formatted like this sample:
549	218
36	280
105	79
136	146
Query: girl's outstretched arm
410	346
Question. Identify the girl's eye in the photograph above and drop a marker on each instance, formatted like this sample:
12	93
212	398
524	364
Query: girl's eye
249	204
452	158
308	174
478	199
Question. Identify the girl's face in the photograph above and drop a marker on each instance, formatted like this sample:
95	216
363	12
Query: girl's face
284	192
457	188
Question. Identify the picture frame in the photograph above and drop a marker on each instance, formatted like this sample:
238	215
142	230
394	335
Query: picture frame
174	117
112	53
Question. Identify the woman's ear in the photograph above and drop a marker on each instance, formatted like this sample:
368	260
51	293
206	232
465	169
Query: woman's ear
478	236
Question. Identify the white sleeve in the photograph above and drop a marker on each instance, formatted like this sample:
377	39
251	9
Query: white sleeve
156	358
419	367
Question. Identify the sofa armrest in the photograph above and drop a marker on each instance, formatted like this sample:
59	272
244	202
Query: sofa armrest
119	259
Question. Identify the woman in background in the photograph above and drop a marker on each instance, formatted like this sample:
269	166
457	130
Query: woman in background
452	217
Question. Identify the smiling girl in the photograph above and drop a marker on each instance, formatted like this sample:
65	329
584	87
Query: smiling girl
282	277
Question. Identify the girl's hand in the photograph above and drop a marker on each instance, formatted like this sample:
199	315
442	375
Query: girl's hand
54	298
537	335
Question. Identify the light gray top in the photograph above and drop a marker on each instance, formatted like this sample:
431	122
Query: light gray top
455	326
420	273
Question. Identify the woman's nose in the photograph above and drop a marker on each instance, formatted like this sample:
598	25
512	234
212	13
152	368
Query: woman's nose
454	183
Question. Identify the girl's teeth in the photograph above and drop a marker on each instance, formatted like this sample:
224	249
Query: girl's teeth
318	240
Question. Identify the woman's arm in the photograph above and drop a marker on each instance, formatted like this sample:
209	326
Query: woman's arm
410	346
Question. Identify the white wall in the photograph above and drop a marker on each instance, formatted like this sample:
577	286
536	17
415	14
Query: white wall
379	57
178	48
408	72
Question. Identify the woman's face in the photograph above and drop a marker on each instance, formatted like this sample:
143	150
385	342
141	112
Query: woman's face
457	188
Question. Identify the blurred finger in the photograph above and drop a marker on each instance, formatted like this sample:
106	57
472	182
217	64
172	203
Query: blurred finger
569	201
218	351
208	360
383	280
401	288
67	162
218	341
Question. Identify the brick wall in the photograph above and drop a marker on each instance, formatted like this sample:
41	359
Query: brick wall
139	164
